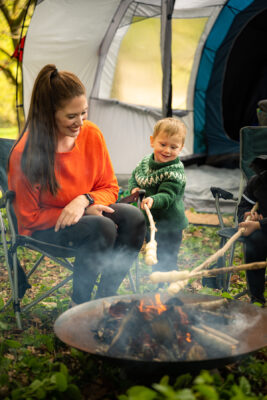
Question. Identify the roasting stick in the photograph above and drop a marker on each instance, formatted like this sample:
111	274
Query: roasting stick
177	286
184	276
175	276
151	247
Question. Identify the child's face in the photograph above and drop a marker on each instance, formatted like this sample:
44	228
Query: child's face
166	148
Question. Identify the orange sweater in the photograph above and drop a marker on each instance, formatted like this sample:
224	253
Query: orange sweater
85	169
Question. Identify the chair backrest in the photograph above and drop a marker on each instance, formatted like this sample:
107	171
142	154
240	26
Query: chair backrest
253	143
5	147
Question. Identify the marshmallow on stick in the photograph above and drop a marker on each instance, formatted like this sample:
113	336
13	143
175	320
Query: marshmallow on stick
151	247
170	276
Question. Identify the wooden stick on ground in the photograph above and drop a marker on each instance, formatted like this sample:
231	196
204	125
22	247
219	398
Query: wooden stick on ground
151	247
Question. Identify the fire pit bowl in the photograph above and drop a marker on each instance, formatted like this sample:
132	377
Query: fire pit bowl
206	331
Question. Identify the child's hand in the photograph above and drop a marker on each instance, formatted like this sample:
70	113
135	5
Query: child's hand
135	190
148	201
250	227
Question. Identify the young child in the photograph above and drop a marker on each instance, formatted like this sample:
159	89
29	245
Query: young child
256	228
162	175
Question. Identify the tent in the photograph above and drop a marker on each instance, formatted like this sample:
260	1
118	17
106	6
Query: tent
200	60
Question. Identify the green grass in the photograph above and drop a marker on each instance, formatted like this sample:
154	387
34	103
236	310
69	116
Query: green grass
9	133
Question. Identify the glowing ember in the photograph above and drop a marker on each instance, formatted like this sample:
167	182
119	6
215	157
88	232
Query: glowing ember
188	337
156	307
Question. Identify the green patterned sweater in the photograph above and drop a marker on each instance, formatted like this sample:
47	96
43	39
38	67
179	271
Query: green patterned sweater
165	183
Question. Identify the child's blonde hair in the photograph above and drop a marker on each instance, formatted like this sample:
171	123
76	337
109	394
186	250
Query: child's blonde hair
170	126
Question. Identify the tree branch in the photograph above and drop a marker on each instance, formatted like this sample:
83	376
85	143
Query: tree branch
5	12
8	73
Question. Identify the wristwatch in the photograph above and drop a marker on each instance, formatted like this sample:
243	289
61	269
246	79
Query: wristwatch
89	198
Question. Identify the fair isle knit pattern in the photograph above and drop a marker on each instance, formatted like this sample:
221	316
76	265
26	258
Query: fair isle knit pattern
146	176
165	183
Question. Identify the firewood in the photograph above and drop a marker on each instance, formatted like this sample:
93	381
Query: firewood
219	334
196	352
213	342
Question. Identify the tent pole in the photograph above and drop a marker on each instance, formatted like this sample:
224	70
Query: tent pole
166	58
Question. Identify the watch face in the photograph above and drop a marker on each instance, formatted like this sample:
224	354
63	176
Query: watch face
89	198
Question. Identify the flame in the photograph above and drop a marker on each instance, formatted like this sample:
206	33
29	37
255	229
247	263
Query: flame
157	306
188	337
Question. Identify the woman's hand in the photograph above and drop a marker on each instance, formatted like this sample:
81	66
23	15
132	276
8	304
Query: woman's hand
98	209
250	227
148	201
72	213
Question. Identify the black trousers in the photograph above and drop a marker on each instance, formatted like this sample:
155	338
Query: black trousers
256	250
168	240
105	246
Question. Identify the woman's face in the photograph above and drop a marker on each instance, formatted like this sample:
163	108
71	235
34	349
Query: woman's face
69	118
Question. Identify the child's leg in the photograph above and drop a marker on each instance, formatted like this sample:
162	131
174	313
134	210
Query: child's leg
168	245
256	250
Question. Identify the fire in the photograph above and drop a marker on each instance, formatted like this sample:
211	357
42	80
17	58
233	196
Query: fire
188	337
157	306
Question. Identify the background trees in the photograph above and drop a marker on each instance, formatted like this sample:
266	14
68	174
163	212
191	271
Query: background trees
14	14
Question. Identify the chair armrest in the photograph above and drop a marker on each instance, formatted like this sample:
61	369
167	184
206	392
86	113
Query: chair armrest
134	197
8	195
222	194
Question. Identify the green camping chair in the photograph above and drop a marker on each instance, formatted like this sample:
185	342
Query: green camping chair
253	142
11	242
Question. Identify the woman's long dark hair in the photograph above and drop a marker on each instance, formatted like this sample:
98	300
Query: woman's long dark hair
52	90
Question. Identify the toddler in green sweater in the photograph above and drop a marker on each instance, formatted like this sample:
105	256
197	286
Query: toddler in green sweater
162	175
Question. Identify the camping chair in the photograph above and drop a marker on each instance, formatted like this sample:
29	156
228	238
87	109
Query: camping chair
253	142
11	241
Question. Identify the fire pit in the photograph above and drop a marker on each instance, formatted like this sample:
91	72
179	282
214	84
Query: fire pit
160	333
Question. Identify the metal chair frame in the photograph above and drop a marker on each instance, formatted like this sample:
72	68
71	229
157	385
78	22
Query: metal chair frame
11	241
253	142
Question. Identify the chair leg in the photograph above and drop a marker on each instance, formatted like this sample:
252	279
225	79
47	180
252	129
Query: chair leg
220	264
18	317
131	282
15	292
223	280
137	282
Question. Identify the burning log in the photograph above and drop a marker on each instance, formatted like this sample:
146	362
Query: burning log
210	304
219	334
196	352
163	332
213	342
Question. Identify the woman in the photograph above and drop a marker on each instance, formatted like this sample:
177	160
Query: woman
66	189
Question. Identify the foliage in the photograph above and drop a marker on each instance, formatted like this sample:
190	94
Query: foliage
35	364
9	133
12	14
206	386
